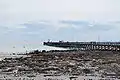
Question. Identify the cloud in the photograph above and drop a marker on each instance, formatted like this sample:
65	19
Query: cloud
21	11
89	26
70	28
51	27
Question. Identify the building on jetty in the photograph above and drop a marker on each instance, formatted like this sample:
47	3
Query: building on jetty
110	46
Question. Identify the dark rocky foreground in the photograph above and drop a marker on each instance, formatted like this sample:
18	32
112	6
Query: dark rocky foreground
62	65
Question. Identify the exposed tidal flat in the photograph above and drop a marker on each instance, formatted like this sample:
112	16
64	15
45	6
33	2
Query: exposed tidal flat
62	65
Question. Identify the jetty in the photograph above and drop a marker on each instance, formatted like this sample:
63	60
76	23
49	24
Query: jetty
101	46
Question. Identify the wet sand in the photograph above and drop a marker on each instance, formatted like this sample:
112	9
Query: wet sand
62	65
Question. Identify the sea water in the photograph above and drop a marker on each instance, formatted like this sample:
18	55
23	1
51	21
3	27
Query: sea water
8	51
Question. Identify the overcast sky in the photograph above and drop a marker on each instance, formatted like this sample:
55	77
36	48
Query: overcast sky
30	22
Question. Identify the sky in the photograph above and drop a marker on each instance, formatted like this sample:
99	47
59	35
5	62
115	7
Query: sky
30	22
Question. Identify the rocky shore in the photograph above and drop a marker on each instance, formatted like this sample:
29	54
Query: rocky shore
62	65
